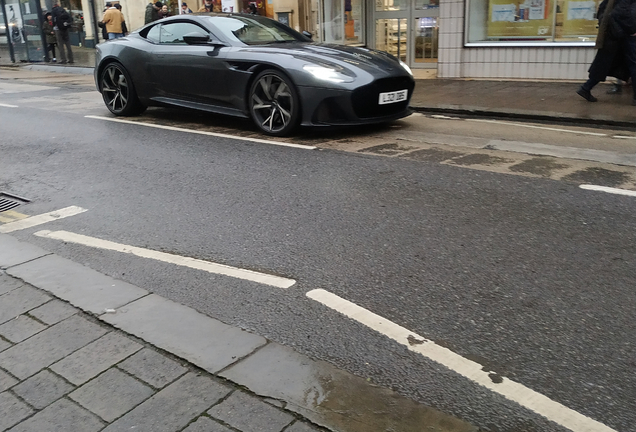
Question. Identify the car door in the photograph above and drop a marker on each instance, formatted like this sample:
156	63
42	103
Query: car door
187	72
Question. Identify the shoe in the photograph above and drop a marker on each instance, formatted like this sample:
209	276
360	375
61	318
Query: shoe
616	89
54	60
585	94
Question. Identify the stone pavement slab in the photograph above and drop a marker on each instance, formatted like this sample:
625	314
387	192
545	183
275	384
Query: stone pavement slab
62	416
6	381
19	301
174	407
12	410
77	284
178	329
20	328
53	312
95	357
7	283
112	394
49	346
153	368
205	424
42	389
250	414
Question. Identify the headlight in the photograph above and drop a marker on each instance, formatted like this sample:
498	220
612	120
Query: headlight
327	74
406	67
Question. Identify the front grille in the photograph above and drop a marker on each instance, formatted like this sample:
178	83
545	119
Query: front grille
365	99
8	201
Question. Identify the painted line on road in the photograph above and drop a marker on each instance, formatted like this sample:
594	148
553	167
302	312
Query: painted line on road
537	127
41	219
608	190
194	263
11	216
623	137
215	134
516	392
8	106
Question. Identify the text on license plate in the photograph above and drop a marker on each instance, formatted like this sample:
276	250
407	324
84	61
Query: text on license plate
393	97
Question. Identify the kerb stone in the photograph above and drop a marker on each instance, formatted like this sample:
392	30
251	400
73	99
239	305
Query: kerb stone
182	331
14	252
82	287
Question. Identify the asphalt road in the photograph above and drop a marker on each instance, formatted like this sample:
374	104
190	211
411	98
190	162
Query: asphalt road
531	277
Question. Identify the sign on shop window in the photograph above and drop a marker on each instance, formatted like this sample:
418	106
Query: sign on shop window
519	19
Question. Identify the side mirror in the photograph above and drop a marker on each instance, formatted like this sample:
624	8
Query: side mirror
307	34
196	38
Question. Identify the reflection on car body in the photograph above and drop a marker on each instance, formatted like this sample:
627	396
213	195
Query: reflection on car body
250	66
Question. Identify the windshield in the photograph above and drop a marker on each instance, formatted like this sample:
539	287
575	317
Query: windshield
255	31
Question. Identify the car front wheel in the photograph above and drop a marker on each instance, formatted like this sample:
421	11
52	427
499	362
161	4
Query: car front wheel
118	91
274	104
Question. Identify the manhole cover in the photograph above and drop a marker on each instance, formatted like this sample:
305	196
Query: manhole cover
8	201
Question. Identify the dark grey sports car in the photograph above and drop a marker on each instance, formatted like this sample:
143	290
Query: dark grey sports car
250	66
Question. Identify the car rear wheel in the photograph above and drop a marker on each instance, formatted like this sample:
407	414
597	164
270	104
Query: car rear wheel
274	104
118	91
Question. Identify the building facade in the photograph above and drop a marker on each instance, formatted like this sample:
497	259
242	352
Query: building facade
490	39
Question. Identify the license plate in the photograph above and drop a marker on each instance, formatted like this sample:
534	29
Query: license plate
393	97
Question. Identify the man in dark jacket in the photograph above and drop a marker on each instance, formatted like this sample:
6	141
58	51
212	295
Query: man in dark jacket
616	43
62	23
152	12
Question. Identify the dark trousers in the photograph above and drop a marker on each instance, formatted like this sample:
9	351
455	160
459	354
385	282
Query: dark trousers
63	41
628	49
51	48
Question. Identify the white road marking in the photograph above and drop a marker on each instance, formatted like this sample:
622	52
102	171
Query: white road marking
537	127
608	190
516	392
220	135
624	137
8	106
194	263
40	219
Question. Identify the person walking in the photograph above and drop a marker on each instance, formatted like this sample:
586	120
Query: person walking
124	28
185	9
49	33
62	23
210	6
152	12
616	44
113	20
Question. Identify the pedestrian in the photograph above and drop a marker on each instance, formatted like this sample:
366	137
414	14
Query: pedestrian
152	12
163	13
49	33
101	25
62	23
616	44
113	19
124	29
185	9
210	6
253	10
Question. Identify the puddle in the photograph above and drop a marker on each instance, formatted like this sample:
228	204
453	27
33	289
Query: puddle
387	149
539	166
432	155
480	159
333	398
598	176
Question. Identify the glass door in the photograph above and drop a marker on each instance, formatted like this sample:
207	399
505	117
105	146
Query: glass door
409	30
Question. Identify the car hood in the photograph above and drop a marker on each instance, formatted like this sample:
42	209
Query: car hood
344	56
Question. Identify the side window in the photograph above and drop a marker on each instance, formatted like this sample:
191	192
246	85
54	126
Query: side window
153	34
173	33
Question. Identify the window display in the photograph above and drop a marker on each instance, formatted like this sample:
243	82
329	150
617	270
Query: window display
532	20
343	21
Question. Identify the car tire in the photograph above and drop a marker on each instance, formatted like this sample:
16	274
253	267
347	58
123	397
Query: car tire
274	104
119	92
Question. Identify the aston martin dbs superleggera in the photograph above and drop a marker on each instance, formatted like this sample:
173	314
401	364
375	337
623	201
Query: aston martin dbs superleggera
250	66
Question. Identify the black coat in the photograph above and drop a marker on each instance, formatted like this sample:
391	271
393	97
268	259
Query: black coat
609	59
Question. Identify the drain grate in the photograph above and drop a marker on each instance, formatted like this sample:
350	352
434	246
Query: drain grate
8	201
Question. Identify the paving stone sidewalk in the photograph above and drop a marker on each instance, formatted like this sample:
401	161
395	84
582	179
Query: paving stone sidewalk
64	370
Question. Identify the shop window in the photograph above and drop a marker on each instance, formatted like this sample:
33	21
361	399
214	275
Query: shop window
344	22
540	21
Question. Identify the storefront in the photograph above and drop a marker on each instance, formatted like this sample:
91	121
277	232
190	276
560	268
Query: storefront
500	39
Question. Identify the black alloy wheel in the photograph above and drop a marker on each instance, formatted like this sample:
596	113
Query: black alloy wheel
274	104
118	91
